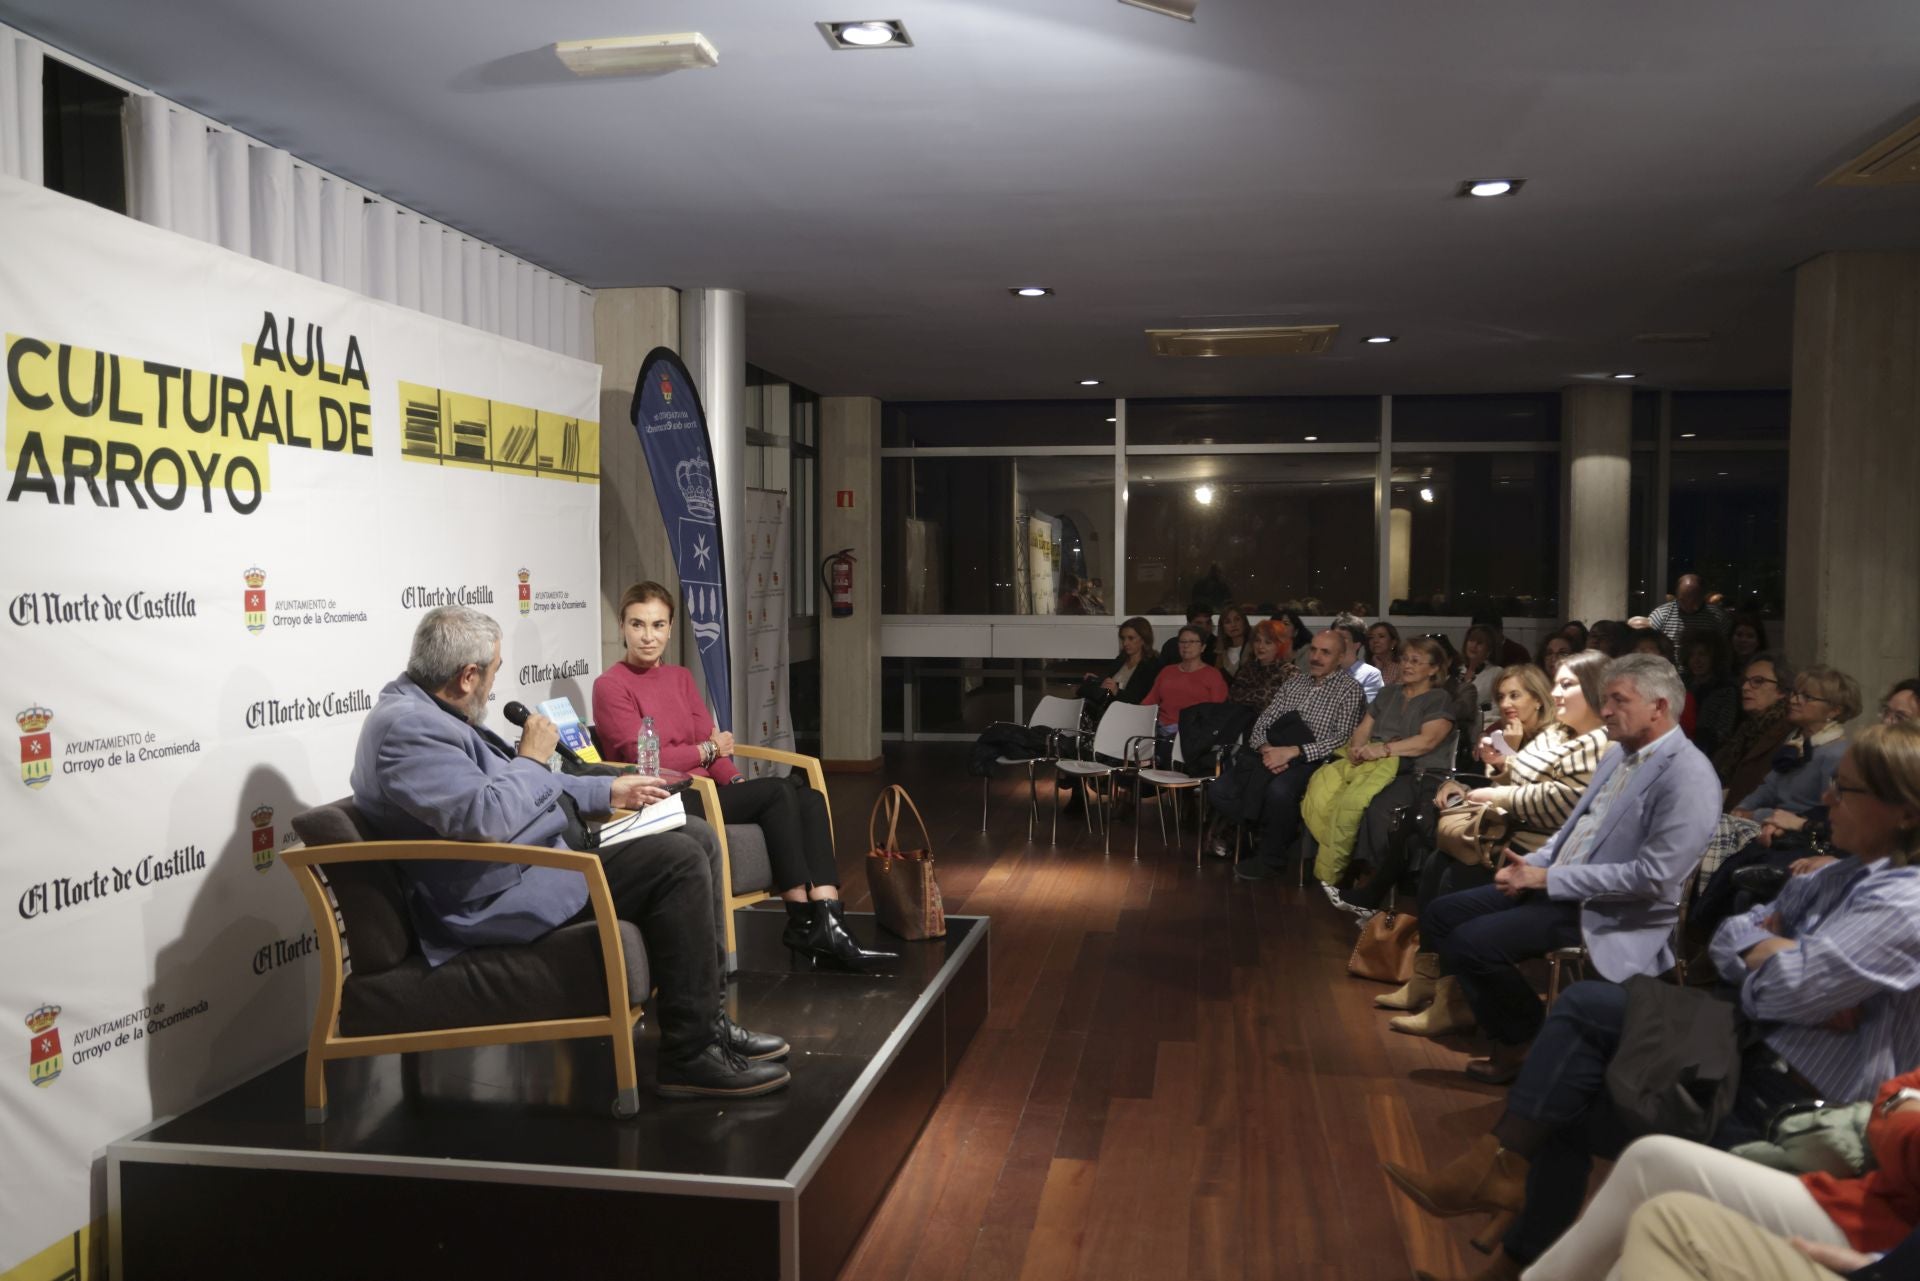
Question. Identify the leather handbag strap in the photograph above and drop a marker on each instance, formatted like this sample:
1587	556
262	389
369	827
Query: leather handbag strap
891	801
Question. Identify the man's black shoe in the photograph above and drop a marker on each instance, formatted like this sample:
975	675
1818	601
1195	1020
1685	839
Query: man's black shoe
718	1072
751	1046
1252	869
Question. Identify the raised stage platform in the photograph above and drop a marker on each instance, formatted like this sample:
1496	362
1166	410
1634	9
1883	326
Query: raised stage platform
507	1162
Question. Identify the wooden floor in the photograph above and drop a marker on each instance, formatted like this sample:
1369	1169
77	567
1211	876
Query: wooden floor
1177	1079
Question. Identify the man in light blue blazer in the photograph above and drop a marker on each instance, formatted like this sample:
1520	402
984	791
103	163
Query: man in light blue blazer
1609	880
427	769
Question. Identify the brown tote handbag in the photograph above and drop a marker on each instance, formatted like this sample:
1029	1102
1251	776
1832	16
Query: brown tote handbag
1386	947
906	897
1471	832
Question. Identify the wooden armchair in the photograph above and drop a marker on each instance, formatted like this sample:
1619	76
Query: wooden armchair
746	876
378	994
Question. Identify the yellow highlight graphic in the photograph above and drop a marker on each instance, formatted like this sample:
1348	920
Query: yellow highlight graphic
452	429
71	1258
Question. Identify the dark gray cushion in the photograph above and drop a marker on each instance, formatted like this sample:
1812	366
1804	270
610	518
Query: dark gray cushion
559	975
747	858
370	896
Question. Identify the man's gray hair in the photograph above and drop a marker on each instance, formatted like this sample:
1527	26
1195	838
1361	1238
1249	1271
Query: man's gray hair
447	639
1652	677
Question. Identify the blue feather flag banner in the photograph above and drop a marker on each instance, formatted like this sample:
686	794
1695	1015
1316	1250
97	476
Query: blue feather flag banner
673	434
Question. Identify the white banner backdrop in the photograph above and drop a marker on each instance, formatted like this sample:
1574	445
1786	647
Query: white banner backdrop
231	492
769	720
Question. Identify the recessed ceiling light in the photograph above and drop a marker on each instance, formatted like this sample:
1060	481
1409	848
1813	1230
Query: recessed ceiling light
1380	338
1309	438
1089	382
1203	494
1426	495
1031	291
1485	188
866	33
1624	377
636	55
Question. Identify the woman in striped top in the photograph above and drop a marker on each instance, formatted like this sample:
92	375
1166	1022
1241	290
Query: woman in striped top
1538	787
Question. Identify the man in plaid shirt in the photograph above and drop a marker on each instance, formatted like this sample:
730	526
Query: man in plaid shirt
1331	703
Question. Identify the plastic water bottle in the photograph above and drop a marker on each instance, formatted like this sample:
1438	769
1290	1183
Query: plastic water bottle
646	752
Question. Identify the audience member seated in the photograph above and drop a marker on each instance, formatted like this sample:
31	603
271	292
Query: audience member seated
1354	630
427	769
1706	664
1902	703
1746	755
1554	650
1746	638
1302	634
1689	609
1133	671
1558	749
1871	1212
1383	646
1200	618
1609	637
1822	702
1478	666
1268	668
1235	633
1576	633
1828	974
1609	880
1185	683
1680	1236
790	814
1265	783
1505	653
1404	731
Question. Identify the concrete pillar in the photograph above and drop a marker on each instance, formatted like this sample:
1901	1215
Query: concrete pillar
1596	444
627	324
1853	528
713	345
850	647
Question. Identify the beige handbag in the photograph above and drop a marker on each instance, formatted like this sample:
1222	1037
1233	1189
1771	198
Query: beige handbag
1471	832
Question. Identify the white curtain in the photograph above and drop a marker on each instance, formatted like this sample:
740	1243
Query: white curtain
22	144
189	175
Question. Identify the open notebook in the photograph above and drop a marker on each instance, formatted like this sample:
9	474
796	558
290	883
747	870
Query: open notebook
661	816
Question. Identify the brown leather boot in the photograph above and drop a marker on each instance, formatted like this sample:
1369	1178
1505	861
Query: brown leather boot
1448	1013
1417	994
1499	1268
1501	1066
1484	1177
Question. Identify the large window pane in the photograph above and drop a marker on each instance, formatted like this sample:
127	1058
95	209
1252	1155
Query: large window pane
1644	587
1473	533
961	695
1728	524
1420	419
1265	531
997	535
1287	420
984	423
1729	415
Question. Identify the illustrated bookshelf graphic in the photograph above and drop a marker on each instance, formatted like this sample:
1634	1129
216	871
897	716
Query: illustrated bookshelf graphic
451	429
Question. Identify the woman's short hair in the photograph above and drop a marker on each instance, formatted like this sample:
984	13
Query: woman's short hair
1277	631
1652	676
1782	669
1393	633
1533	680
1840	691
641	593
1573	624
1487	638
447	639
1197	633
1139	627
1719	653
1887	758
1589	667
1435	654
1638	636
1754	621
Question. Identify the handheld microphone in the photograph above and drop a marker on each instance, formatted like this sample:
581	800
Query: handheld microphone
516	713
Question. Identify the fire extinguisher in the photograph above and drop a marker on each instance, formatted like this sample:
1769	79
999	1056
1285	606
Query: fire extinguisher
836	575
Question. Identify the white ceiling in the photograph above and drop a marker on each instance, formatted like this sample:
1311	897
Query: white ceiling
1275	161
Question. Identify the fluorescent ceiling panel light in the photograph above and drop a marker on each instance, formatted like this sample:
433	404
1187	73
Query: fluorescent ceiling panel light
1624	377
1181	9
1031	291
1487	188
1089	382
637	55
1380	338
866	33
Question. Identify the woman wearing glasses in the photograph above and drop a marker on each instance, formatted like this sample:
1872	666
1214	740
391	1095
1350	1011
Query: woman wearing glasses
1746	756
1822	702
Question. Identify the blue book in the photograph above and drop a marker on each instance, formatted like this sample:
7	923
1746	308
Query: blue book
572	732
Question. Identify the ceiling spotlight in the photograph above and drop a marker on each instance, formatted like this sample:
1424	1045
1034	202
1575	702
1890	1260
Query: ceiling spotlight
1624	377
1203	494
1426	495
871	33
1485	188
1031	291
1181	9
1089	382
1309	438
1380	338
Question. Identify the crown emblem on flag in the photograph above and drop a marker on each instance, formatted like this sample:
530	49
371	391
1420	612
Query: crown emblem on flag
524	575
43	1018
33	720
262	816
695	480
666	389
256	578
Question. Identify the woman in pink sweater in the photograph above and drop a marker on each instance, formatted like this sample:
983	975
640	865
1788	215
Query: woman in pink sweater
792	815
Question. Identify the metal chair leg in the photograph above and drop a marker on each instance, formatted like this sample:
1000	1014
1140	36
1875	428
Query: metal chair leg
1055	838
1033	802
985	783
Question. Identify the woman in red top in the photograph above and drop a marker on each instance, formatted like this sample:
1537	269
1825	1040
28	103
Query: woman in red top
1187	683
1871	1213
793	818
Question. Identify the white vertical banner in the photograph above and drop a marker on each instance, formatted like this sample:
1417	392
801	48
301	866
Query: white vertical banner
231	493
769	719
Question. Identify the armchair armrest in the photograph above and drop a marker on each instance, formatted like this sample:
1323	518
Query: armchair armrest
816	773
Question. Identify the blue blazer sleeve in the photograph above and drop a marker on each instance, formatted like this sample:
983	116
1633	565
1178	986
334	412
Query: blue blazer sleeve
429	771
